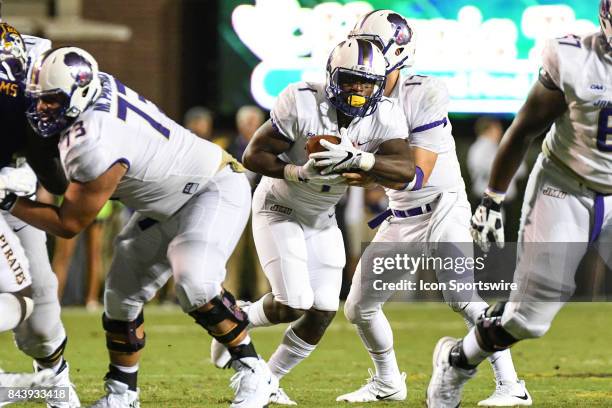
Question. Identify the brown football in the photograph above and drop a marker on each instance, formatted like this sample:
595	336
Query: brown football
313	145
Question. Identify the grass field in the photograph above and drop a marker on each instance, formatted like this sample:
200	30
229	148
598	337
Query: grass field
570	367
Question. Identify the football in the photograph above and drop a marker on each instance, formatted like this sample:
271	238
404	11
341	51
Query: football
313	145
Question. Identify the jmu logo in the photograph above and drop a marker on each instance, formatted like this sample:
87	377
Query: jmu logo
80	68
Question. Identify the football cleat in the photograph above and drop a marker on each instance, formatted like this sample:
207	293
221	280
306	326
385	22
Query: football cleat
508	394
280	397
253	383
446	384
42	378
118	395
377	390
62	382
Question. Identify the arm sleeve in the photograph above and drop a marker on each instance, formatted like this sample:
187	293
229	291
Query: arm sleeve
284	114
429	122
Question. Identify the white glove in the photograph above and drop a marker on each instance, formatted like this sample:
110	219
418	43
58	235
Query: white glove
342	157
488	219
20	180
308	173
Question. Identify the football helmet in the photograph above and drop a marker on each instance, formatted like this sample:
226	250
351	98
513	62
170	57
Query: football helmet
391	33
13	54
605	19
355	77
67	75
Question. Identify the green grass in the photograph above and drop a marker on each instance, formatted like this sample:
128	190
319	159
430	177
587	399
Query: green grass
571	366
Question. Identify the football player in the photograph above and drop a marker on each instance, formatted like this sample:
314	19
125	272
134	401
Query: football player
191	202
567	204
42	336
16	302
432	208
297	238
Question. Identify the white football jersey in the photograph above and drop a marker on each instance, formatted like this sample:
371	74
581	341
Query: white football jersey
581	139
167	163
302	111
424	101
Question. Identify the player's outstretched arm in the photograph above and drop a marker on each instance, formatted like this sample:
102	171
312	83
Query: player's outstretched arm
43	156
543	105
81	204
261	154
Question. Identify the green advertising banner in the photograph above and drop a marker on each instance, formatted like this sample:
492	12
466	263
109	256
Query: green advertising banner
487	51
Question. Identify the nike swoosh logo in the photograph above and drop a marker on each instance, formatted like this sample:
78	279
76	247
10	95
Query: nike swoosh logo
349	156
362	143
19	229
524	397
270	381
378	397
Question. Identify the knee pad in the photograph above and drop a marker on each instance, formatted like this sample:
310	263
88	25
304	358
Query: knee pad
491	334
304	300
122	336
43	333
224	309
53	358
326	299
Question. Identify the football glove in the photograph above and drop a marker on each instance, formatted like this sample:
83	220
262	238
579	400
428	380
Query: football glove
20	180
487	219
308	173
342	157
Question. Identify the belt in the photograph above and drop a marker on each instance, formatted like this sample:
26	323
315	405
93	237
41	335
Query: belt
412	212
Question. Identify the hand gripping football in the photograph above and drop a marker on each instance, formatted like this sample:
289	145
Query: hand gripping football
313	145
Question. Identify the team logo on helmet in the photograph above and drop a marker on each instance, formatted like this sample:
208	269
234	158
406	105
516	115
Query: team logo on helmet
403	33
80	68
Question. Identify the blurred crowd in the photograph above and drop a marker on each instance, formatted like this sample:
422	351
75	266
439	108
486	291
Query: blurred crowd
81	262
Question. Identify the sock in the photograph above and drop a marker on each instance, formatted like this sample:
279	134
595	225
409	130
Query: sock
289	353
377	337
126	375
503	366
257	316
386	366
13	310
473	353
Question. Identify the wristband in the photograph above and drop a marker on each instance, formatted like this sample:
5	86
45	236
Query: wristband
496	196
367	161
291	173
8	202
417	180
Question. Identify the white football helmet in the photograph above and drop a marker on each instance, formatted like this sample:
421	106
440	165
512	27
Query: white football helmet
355	61
391	33
605	19
68	74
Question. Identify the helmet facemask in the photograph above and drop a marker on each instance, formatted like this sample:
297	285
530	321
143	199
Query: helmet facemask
355	93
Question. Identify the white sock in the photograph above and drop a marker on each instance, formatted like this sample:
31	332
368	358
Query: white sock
289	353
11	311
377	336
472	350
386	365
257	317
503	366
126	369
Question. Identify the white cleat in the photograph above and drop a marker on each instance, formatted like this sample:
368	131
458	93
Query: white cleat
280	397
62	386
253	383
377	390
219	355
118	395
446	384
508	394
42	378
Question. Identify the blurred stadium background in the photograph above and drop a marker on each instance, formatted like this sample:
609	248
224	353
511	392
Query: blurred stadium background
204	61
